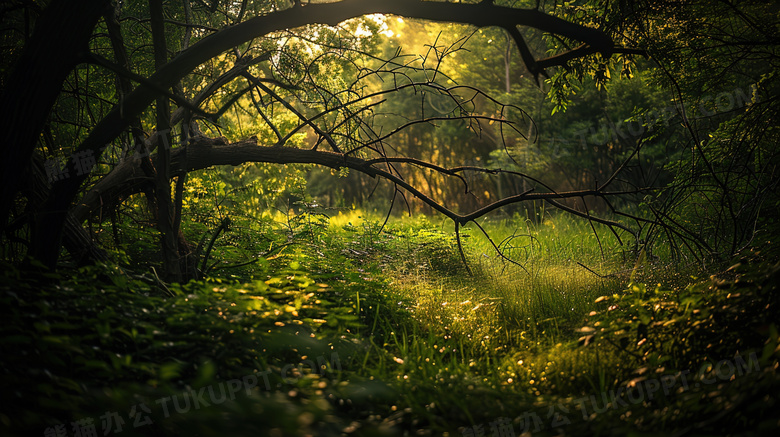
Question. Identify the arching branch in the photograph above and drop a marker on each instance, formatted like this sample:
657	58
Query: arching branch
53	212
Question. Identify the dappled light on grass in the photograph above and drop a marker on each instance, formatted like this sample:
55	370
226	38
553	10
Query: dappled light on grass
510	335
358	330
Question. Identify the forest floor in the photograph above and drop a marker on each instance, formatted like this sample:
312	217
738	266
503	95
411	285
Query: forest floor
347	327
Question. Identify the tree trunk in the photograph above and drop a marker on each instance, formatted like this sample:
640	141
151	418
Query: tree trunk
168	235
76	239
60	38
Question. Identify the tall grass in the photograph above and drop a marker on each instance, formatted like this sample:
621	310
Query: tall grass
504	331
494	339
539	297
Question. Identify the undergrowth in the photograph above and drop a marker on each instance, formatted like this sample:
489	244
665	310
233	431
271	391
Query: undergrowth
399	335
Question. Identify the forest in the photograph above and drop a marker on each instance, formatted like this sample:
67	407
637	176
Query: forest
389	218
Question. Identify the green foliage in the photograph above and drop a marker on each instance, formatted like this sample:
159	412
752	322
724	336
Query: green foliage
713	339
101	339
421	343
679	329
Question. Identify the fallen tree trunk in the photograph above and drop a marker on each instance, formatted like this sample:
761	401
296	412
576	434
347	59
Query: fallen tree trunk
206	152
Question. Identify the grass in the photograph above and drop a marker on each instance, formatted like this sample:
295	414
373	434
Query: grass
508	323
506	339
539	301
426	347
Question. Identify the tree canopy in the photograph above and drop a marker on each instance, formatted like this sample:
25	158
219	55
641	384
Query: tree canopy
275	40
310	84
